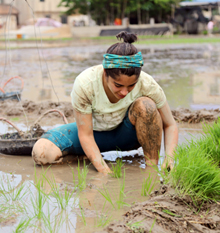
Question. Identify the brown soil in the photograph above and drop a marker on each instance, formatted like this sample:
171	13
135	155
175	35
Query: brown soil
167	212
13	108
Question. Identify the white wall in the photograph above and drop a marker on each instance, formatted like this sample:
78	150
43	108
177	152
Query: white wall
41	9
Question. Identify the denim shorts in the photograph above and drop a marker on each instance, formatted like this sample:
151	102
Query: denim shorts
122	138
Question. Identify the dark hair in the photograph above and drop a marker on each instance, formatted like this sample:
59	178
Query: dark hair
125	48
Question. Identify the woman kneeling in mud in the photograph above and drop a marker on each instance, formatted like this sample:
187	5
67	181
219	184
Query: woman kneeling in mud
116	106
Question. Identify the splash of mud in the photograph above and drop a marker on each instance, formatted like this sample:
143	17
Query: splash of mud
166	212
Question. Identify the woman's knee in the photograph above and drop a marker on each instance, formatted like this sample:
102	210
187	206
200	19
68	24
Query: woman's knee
144	107
46	152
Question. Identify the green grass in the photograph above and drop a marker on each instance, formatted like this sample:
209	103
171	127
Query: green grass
177	40
154	39
142	39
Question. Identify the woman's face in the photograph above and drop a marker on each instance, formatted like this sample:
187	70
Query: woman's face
122	85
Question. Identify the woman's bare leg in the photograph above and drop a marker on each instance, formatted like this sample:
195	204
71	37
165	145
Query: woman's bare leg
144	115
46	152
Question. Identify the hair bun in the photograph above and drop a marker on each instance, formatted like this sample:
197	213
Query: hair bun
127	37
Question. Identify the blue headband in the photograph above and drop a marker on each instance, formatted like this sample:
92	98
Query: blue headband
117	61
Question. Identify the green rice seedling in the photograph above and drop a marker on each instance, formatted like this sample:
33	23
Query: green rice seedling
103	220
62	198
39	200
171	213
117	169
136	226
82	175
120	202
23	225
148	185
106	195
152	226
83	215
10	193
212	141
195	173
50	225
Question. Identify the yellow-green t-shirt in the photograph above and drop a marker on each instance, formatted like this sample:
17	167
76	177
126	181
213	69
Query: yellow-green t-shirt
88	96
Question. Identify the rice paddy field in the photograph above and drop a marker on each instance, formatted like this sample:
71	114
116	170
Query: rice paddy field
73	197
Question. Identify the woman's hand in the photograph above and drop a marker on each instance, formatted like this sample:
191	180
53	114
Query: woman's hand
87	141
168	164
170	136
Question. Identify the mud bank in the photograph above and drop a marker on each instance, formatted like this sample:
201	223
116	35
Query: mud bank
14	109
166	212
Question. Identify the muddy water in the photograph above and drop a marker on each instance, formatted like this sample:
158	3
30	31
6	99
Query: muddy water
189	76
87	210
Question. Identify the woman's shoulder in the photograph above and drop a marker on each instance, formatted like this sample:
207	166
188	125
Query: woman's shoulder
90	74
145	77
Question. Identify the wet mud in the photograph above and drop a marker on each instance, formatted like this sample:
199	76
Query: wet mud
14	109
167	212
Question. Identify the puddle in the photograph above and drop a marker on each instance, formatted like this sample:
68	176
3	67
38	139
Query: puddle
87	211
190	78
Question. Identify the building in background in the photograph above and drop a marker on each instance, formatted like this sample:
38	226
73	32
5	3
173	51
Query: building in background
41	9
14	19
193	15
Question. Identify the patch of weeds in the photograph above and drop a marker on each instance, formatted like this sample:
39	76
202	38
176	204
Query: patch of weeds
117	168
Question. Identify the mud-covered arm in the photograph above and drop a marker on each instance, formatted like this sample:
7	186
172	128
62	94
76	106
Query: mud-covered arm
170	135
86	138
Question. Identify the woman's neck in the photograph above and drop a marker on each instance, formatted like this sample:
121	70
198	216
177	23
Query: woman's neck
108	92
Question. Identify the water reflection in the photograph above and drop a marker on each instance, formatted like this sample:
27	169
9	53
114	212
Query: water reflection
206	91
28	199
172	66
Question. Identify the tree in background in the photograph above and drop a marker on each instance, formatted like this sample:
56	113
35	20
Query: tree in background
138	11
